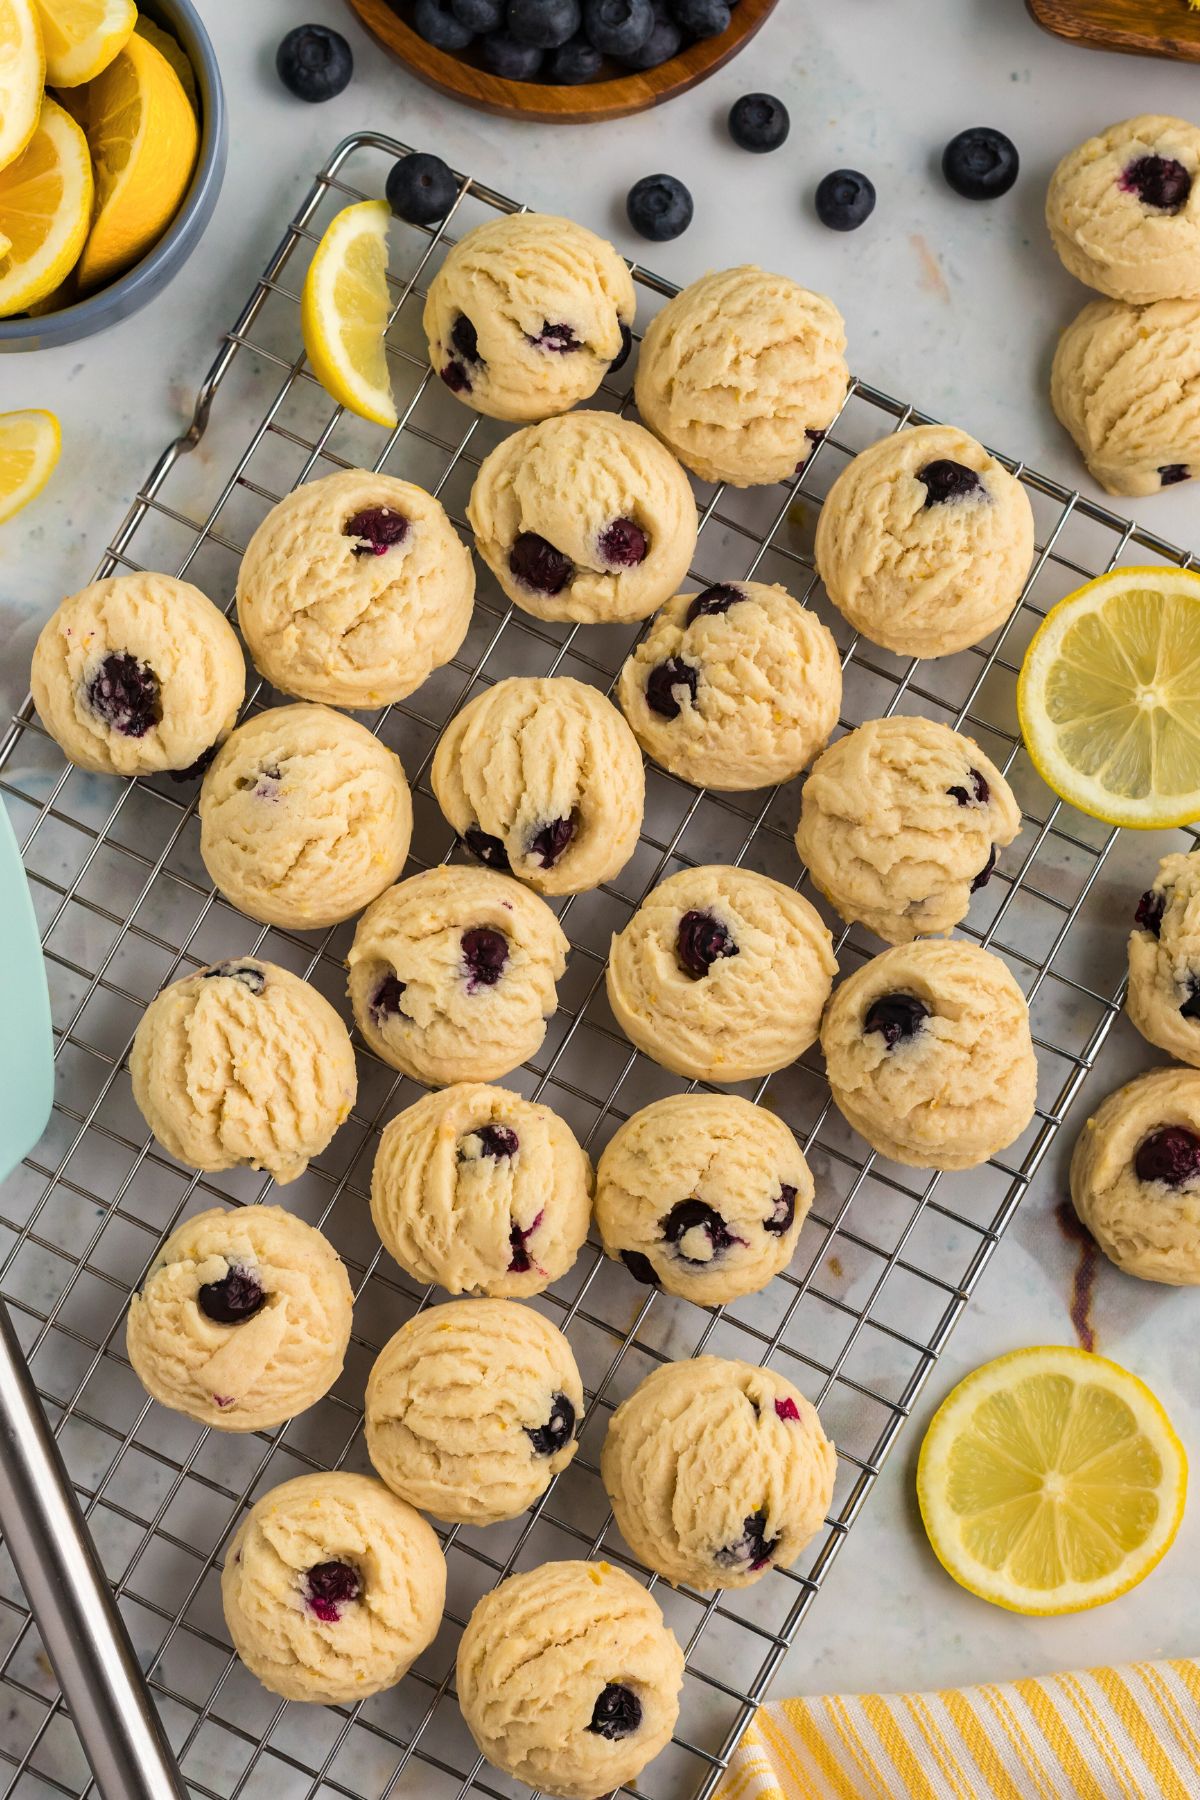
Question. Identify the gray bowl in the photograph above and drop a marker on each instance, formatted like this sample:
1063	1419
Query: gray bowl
172	250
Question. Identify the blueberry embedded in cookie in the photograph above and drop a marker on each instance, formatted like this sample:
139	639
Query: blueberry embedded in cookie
1160	182
549	841
557	1432
125	694
617	1712
487	849
537	565
697	1232
485	956
945	481
782	1215
376	529
897	1017
716	599
1170	1155
236	1297
385	998
252	976
329	1587
623	544
701	941
753	1549
640	1267
978	794
663	683
1150	909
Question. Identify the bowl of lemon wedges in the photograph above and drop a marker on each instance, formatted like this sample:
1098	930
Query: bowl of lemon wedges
112	149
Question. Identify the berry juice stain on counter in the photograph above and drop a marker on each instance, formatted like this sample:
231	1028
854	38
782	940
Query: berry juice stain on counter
1083	1282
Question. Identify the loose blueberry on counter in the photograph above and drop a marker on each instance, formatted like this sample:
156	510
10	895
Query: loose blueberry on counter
664	42
329	1586
438	24
232	1300
126	695
979	795
753	1547
1191	1006
1150	910
659	207
314	63
479	15
896	1017
245	973
574	62
758	122
1171	474
716	599
622	356
985	874
618	27
378	528
845	199
701	941
497	1141
640	1267
550	841
538	565
981	163
488	849
421	188
502	55
1170	1155
1158	181
788	1411
697	1215
702	18
385	1001
623	544
559	338
662	682
485	953
549	1439
544	23
945	481
783	1211
617	1713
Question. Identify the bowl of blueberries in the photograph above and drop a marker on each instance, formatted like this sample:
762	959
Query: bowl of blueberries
574	60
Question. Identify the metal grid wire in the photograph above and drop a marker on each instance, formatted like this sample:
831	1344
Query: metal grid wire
886	1262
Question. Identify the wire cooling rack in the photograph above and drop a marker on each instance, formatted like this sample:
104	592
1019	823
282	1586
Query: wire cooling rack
886	1262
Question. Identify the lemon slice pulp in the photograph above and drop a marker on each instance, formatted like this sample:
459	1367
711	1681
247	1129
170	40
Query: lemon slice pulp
81	37
29	447
45	210
344	312
22	76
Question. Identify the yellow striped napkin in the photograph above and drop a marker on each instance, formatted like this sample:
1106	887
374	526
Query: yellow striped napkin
1099	1734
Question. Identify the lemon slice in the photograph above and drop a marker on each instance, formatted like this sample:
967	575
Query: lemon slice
29	447
1109	698
144	138
1050	1481
22	76
344	312
45	210
175	54
81	37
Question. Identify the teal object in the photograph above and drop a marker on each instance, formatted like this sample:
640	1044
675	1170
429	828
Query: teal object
26	1040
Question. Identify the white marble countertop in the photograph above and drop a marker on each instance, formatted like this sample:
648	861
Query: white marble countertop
955	306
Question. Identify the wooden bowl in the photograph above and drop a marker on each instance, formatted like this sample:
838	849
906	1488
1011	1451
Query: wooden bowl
590	101
1144	27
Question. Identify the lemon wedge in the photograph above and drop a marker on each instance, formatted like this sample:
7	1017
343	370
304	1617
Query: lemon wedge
344	312
45	210
22	76
1050	1481
144	137
1109	698
175	54
30	443
81	37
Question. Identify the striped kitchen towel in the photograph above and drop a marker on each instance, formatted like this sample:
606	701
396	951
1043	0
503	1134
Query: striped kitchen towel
1131	1733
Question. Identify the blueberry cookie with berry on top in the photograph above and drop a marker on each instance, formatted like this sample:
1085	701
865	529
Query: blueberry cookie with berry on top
1163	998
1135	1177
1125	382
1124	210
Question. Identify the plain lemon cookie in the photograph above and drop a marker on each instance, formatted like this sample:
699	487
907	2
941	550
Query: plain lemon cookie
717	1471
243	1318
243	1065
925	542
584	517
929	1054
332	1587
568	1678
735	687
704	1195
527	315
472	1409
721	974
453	972
1125	383
481	1191
137	674
541	777
1124	210
741	374
353	589
900	822
1163	998
1135	1177
304	817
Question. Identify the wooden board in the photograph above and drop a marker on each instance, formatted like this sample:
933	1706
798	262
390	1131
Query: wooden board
591	101
1144	27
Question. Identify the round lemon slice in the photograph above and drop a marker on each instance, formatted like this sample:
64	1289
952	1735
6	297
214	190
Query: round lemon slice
30	443
344	312
22	76
45	210
81	37
1050	1481
1109	698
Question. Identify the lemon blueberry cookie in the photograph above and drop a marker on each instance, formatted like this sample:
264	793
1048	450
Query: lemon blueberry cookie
717	1471
925	541
721	974
542	778
472	1409
527	315
569	1679
332	1587
1125	383
735	687
584	517
704	1195
453	972
243	1318
1135	1177
137	674
929	1054
900	822
353	589
481	1191
1163	998
243	1065
741	374
1124	210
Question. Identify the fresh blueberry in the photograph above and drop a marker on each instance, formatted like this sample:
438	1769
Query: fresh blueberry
701	941
559	1429
623	545
978	795
702	18
1191	1006
845	199
622	356
329	1586
945	481
538	565
479	15
558	338
1150	910
550	840
618	27
465	339
640	1267
245	973
617	1712
753	1547
574	62
664	42
659	207
314	63
981	163
488	849
232	1300
421	188
378	529
758	122
985	874
439	25
716	599
788	1411
896	1017
502	55
485	953
783	1211
1158	181
1171	1155
663	681
498	1141
126	695
1171	474
691	1215
544	23
385	1001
